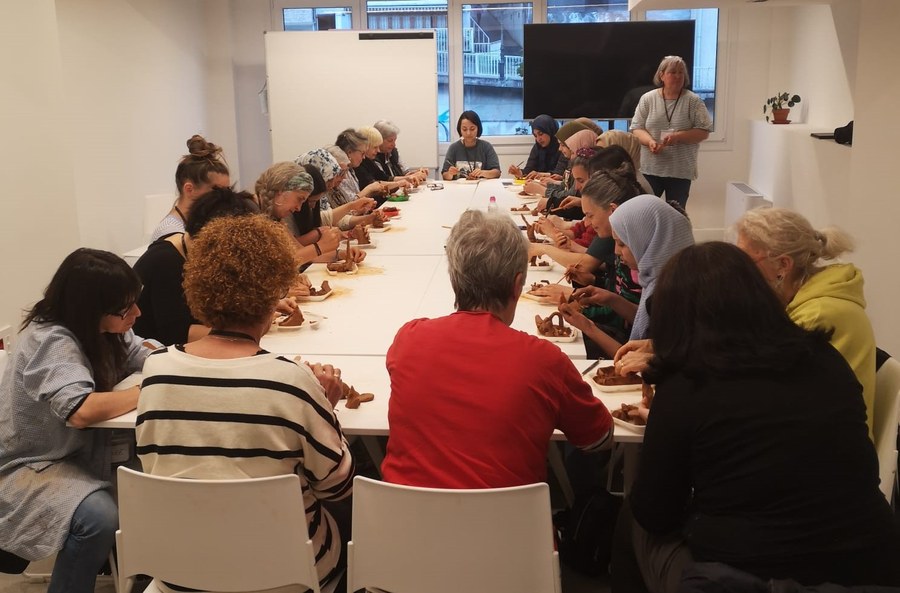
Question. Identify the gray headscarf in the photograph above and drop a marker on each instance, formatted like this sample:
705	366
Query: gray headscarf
654	232
322	160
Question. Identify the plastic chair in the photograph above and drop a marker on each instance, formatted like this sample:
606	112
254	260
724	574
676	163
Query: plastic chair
156	206
427	540
214	535
886	416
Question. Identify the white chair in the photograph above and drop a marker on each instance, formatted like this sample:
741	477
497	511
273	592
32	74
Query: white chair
214	535
156	206
427	540
886	416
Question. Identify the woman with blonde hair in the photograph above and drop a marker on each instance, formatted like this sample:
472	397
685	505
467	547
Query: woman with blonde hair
223	408
368	171
790	254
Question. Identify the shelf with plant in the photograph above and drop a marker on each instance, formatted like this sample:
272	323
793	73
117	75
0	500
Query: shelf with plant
780	106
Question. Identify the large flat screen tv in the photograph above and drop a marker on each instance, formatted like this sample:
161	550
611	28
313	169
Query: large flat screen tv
597	70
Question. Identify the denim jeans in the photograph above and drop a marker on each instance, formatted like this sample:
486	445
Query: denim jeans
91	537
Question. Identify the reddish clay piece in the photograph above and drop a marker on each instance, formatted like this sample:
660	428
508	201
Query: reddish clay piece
361	234
608	377
623	414
321	291
293	320
538	263
546	328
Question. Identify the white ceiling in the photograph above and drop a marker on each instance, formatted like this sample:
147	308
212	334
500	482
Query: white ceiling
668	4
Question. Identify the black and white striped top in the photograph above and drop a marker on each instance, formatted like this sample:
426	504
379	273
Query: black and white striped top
248	417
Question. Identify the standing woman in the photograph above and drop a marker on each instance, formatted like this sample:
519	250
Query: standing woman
76	344
670	123
198	172
471	157
648	232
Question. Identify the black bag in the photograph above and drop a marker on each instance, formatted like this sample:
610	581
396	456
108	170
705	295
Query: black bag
12	564
586	533
844	135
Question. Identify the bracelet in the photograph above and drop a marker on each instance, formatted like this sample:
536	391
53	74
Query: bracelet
318	249
318	230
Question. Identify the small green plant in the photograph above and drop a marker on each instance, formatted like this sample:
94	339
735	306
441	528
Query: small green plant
780	101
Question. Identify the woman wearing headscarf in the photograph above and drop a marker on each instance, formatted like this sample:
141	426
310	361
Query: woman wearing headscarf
648	232
545	152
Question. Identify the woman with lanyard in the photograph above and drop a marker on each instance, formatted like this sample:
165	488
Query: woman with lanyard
670	123
471	157
198	171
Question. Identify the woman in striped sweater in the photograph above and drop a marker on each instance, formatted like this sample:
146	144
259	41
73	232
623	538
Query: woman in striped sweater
223	408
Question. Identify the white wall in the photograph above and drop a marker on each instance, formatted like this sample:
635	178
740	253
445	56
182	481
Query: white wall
135	75
873	204
37	209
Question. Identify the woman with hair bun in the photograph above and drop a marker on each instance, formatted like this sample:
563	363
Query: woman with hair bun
789	251
198	172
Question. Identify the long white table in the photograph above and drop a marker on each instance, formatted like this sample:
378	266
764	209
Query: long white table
405	277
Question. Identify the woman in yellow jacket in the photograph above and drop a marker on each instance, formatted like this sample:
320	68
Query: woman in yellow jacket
788	252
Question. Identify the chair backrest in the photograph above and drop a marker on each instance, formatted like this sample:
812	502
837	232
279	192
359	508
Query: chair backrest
3	357
156	206
214	535
886	416
427	540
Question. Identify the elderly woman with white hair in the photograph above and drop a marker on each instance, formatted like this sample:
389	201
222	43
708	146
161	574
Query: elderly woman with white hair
789	253
670	122
444	432
355	146
369	171
388	159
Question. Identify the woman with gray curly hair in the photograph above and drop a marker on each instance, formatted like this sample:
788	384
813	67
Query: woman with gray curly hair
483	413
789	253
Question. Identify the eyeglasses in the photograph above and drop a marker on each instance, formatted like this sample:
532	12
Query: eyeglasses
126	312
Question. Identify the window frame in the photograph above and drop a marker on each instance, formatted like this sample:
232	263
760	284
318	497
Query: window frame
357	10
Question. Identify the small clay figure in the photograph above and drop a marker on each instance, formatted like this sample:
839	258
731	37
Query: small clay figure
361	234
535	262
546	327
321	291
293	320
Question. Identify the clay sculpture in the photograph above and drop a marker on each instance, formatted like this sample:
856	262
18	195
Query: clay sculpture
321	291
361	234
547	329
293	320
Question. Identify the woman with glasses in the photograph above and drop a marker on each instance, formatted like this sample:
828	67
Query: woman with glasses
355	145
670	123
76	344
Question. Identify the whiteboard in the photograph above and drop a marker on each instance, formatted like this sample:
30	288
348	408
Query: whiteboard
322	82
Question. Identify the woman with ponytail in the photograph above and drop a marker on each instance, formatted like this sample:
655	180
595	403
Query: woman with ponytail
789	252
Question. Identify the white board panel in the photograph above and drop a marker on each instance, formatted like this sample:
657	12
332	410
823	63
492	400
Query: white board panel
321	82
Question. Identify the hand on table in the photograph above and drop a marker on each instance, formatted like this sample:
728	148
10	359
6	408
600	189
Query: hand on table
552	293
571	312
329	378
452	172
515	171
288	305
634	356
362	204
354	254
592	295
536	189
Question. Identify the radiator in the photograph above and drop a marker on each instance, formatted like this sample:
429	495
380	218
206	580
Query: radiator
739	198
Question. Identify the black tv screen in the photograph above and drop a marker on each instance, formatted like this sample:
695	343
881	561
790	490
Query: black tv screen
597	70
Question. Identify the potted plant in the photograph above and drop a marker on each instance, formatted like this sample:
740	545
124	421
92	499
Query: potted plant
777	105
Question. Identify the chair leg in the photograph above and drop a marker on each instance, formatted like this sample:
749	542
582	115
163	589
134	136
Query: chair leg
113	569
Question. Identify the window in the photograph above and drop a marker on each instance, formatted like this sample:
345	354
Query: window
397	14
317	19
706	33
492	65
479	47
587	11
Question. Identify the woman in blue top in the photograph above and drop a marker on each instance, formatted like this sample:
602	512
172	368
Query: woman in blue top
76	344
471	157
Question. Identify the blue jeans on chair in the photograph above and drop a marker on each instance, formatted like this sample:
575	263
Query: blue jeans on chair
91	537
